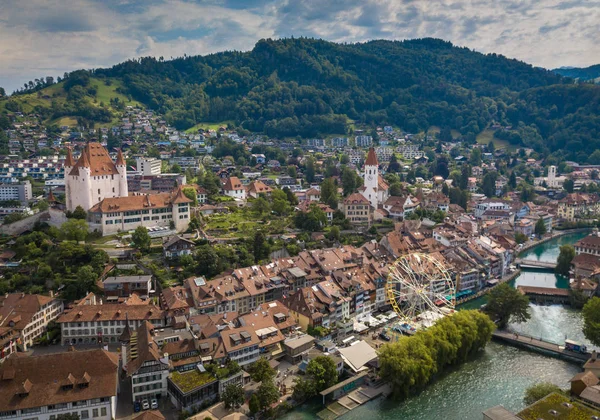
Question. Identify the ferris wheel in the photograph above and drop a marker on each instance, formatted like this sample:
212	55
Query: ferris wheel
419	285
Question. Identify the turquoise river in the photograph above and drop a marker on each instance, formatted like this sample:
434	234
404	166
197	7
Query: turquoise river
500	374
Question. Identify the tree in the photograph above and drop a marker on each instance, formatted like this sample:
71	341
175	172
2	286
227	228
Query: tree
79	213
506	304
233	396
141	239
538	391
465	173
563	262
267	393
329	193
260	247
261	206
394	165
334	233
489	184
2	92
569	185
261	370
304	388
521	238
475	158
207	261
540	227
309	170
591	320
190	193
74	230
254	404
350	180
323	372
512	180
280	201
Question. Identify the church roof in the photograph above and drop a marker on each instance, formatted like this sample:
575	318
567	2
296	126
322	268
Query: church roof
95	157
371	158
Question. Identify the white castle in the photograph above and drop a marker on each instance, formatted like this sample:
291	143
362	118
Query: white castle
94	177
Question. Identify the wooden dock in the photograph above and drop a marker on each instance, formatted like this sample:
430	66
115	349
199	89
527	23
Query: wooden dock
540	345
545	294
354	399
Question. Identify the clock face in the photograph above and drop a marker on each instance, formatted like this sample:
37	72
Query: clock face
370	177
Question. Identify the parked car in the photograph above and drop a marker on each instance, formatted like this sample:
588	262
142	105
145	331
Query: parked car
385	337
137	407
154	404
145	405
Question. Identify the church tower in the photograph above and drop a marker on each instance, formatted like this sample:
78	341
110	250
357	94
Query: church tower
371	178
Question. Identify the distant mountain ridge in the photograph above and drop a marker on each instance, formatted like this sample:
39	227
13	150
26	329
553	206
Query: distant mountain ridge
580	73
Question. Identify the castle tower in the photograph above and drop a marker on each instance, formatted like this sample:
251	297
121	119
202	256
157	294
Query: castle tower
122	168
94	177
67	167
371	178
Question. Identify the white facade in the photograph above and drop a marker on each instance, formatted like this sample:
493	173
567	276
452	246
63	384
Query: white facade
93	178
148	166
97	409
20	192
371	176
151	381
91	332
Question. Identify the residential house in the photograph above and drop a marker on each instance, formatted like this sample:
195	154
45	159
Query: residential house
176	247
233	187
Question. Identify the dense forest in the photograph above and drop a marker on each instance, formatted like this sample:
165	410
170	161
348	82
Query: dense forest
307	87
584	73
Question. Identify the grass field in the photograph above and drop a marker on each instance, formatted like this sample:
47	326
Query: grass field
487	135
207	126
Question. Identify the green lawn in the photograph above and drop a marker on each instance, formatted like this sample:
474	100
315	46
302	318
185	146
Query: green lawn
207	126
191	380
487	135
541	410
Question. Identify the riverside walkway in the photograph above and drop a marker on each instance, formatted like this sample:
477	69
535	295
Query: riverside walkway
540	346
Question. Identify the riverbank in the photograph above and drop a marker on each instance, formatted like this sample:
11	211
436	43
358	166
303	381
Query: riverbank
485	291
553	235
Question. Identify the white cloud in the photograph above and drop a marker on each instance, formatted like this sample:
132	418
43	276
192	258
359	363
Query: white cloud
49	37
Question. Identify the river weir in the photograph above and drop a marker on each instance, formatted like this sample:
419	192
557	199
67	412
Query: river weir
501	373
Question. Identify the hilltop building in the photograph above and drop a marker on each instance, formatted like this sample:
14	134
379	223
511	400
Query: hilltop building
94	177
375	189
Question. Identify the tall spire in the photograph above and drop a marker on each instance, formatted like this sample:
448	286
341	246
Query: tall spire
371	158
120	159
69	161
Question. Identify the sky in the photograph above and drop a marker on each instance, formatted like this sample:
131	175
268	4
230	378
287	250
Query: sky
41	38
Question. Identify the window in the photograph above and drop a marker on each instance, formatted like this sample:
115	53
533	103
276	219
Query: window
95	412
98	190
103	411
85	414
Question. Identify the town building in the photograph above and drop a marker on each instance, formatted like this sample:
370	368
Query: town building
177	246
84	383
144	363
28	316
16	192
122	214
148	165
90	324
233	187
357	209
578	205
94	177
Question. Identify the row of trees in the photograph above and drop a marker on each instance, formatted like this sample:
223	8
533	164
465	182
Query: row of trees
410	363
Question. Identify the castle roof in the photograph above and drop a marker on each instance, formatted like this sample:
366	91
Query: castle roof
140	202
95	157
69	161
371	158
120	159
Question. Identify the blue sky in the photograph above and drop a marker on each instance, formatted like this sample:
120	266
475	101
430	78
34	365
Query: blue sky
48	37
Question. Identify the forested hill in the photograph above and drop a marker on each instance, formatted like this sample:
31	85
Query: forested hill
309	87
591	73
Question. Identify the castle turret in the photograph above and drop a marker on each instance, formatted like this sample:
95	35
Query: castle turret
122	168
85	175
67	167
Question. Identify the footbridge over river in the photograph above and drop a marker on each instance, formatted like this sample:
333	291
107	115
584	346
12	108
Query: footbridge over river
524	263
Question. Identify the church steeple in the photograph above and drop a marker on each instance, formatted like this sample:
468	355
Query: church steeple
371	158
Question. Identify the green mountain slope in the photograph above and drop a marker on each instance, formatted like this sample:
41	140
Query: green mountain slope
95	100
591	73
308	87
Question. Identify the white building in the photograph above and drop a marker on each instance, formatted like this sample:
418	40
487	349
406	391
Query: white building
44	387
233	188
494	205
552	180
20	192
94	177
148	166
363	141
144	363
92	324
122	214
